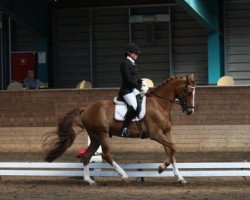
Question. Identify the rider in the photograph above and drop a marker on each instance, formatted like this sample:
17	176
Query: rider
132	86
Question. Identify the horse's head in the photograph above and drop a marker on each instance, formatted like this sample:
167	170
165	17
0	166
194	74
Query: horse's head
177	90
185	93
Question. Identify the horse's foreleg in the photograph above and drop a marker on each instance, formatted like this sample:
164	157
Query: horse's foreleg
166	141
177	173
170	150
107	156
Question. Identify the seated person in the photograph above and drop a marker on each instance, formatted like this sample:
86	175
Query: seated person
31	83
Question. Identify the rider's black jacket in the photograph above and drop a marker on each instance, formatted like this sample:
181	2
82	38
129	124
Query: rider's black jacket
130	78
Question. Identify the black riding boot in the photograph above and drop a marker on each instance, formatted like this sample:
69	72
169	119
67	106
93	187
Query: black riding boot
131	113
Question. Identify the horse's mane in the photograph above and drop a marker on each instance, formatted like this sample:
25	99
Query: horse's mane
165	82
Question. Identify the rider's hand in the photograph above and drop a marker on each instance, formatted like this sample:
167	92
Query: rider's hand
136	92
144	89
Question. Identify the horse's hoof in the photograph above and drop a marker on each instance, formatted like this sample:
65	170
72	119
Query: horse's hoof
125	179
183	182
92	183
161	169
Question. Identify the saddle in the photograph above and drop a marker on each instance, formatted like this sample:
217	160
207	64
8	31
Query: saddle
121	109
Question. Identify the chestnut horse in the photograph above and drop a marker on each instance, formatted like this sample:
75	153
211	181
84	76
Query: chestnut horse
98	120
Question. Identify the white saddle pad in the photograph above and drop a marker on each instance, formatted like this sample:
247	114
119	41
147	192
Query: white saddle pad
121	110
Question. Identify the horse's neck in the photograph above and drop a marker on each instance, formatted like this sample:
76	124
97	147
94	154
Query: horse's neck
167	91
165	95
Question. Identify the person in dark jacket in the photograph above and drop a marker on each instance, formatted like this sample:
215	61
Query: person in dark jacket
132	86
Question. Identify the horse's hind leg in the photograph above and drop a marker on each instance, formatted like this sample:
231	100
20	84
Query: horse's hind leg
94	145
107	156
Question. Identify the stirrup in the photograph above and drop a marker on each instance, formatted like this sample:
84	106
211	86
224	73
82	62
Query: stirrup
125	132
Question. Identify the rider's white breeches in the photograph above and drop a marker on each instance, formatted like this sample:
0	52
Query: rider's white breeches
130	98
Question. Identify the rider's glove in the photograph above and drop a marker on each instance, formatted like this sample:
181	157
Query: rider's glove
144	89
136	92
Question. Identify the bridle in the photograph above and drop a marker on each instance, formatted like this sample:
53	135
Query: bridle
183	102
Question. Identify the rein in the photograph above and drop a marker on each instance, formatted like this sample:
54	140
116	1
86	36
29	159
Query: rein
168	100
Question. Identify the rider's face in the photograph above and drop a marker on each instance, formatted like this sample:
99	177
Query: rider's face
134	56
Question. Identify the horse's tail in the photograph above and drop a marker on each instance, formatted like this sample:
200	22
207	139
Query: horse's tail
57	142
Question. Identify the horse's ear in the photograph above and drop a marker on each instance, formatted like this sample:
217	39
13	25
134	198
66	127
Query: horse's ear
191	77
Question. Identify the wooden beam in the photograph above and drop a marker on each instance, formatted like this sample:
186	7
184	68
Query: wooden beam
31	14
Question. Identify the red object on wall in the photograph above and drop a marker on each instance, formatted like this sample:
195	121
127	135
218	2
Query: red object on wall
21	62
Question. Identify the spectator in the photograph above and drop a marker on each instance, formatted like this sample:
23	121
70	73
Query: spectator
31	83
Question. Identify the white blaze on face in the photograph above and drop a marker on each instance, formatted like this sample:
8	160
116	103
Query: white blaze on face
193	97
193	93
